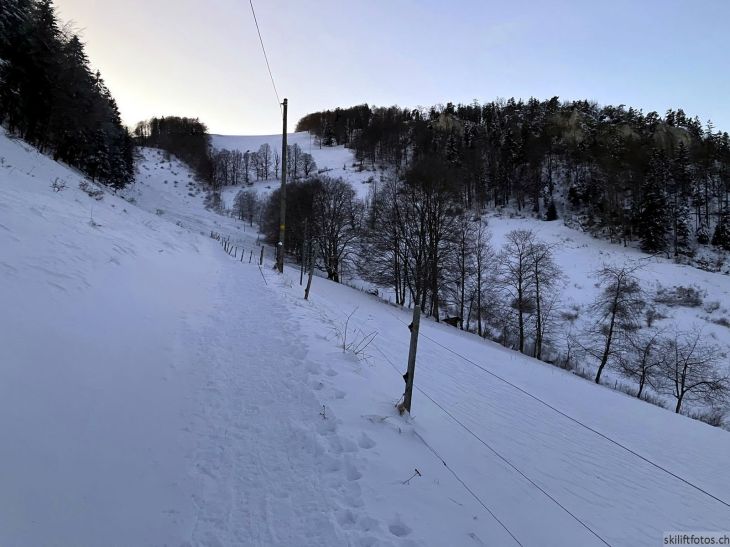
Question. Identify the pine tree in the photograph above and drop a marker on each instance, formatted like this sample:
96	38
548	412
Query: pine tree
652	221
49	96
552	212
682	222
703	234
721	236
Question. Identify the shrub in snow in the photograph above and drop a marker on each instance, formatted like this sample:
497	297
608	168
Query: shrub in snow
58	185
722	321
652	315
688	297
91	190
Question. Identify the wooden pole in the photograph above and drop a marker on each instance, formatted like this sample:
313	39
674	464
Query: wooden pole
311	273
282	218
414	326
261	260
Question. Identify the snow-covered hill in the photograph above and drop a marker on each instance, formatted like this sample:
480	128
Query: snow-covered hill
578	253
334	161
155	390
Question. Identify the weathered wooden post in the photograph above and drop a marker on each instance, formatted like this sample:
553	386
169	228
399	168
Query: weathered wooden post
311	273
414	326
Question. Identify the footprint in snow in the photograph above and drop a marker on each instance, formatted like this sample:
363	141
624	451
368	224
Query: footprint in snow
346	518
398	528
351	471
366	524
365	442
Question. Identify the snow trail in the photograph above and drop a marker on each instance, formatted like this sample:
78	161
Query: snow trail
269	464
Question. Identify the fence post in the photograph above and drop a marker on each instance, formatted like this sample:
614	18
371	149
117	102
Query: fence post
414	326
261	260
311	273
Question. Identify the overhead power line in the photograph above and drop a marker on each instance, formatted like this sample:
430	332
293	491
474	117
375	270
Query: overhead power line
574	420
266	57
501	457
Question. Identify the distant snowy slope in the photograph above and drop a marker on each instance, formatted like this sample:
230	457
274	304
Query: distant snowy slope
334	161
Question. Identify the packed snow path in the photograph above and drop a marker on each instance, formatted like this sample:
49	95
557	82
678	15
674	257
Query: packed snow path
264	471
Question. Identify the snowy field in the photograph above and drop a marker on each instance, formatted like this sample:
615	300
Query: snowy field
157	391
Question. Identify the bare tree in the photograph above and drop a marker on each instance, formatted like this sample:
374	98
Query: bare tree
277	163
337	216
308	164
617	310
221	168
247	205
547	275
691	371
293	161
517	278
485	275
264	156
247	165
382	249
642	359
256	165
236	167
461	267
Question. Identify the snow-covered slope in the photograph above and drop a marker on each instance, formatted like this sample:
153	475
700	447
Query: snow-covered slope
155	390
578	254
334	161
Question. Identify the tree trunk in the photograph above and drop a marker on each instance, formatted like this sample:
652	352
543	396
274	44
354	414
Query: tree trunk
538	318
609	336
520	318
642	379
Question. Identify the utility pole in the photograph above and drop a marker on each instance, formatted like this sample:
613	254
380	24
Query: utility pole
282	219
408	395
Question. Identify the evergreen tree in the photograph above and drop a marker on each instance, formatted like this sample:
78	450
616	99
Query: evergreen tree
49	96
652	221
721	236
552	212
703	234
682	245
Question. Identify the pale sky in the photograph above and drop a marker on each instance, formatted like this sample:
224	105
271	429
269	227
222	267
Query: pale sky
203	59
